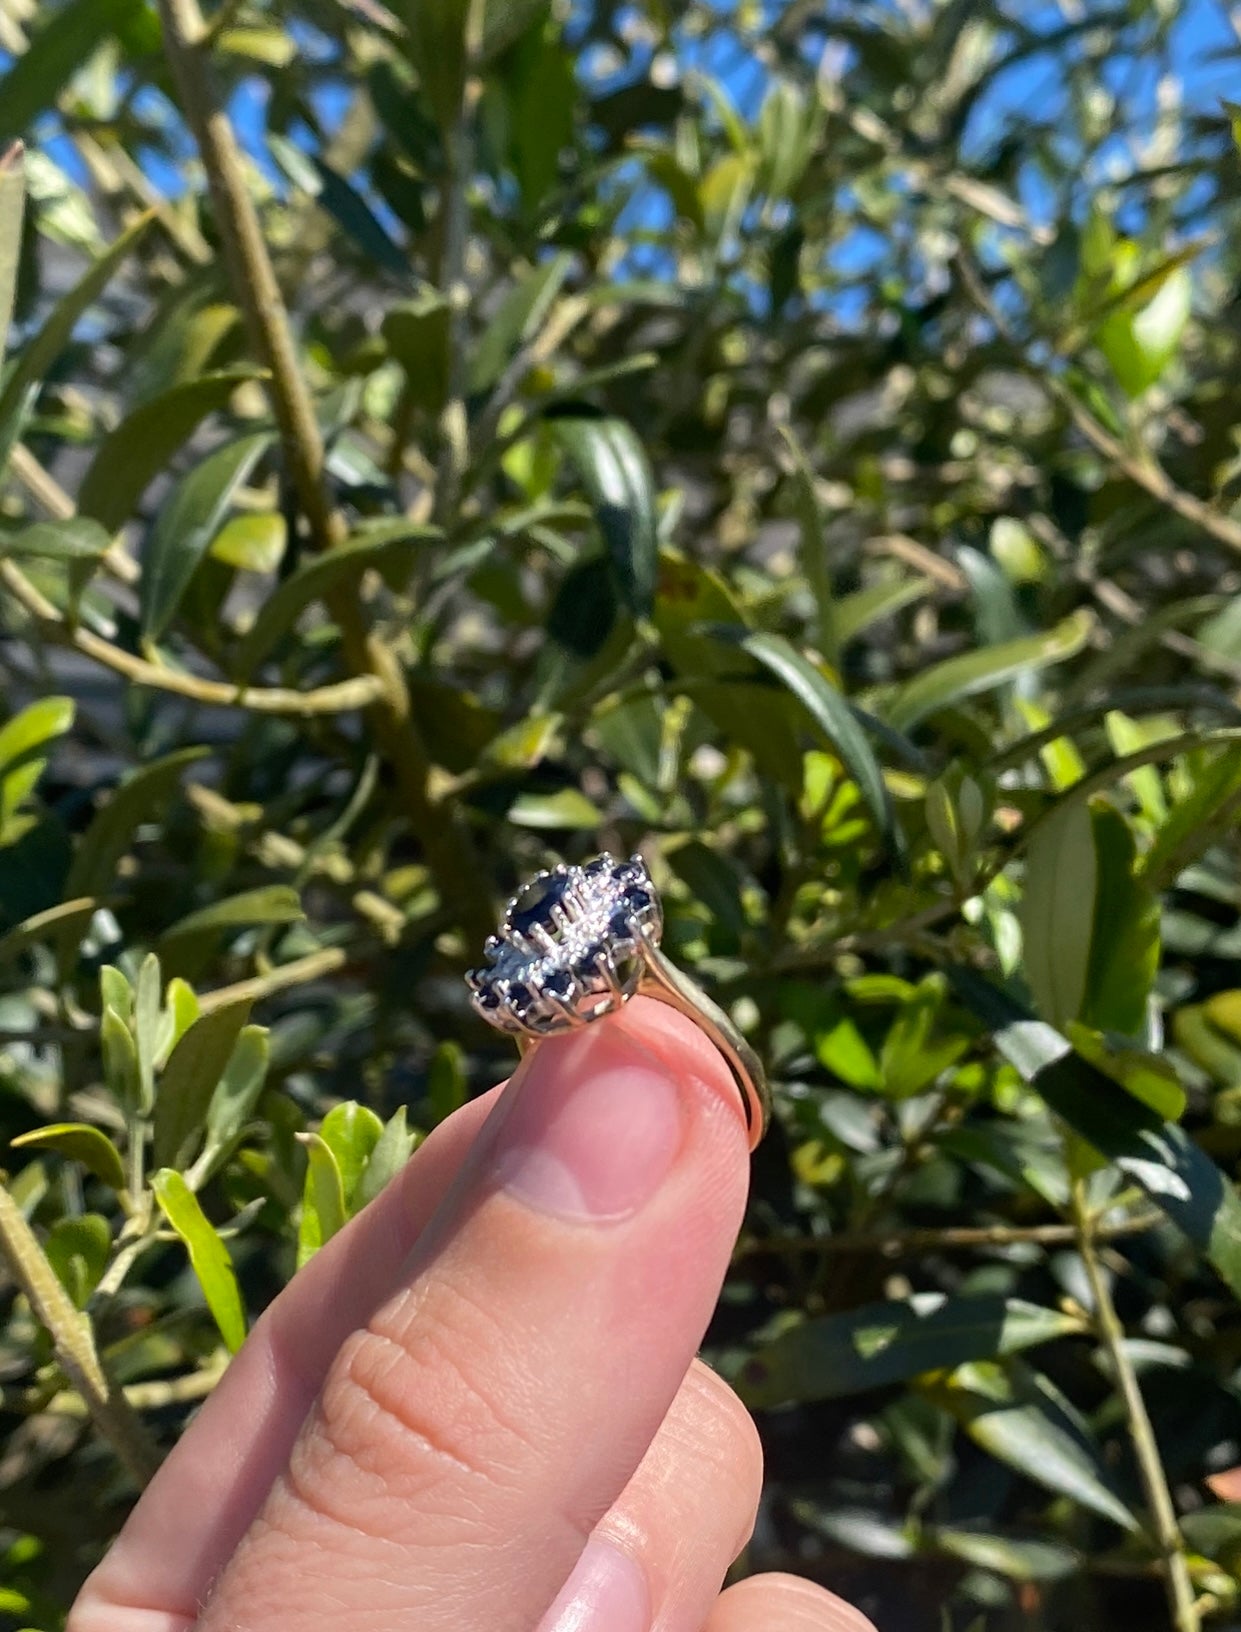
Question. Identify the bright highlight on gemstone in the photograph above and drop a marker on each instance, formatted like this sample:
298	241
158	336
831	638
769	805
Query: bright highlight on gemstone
570	947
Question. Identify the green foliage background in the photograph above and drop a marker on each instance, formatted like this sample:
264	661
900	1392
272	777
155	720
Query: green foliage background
508	431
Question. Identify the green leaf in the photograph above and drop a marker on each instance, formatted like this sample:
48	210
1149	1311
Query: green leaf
208	1255
1124	942
788	124
831	1356
189	1080
342	202
815	565
187	522
1020	1560
38	357
233	1102
613	464
120	1064
24	751
395	1145
351	1132
567	808
912	1057
418	333
66	40
316	579
1139	345
68	915
1022	1420
948	682
78	1250
77	539
831	713
1058	911
269	904
439	49
323	1198
253	543
856	613
147	991
1146	1076
520	316
1156	1155
1193	820
80	1143
143	444
138	799
12	204
447	1081
115	992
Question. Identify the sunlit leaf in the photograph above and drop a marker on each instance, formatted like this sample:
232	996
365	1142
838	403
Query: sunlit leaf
884	1343
188	520
208	1254
80	1142
958	677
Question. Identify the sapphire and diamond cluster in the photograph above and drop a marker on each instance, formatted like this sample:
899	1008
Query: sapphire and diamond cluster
570	947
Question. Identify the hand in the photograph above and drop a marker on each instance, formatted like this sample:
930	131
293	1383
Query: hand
478	1407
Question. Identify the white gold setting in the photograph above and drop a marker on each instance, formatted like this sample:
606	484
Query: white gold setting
576	943
571	947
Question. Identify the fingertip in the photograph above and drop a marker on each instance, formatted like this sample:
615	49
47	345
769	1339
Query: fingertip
689	1055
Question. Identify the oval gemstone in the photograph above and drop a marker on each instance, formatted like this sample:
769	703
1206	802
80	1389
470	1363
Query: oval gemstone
534	904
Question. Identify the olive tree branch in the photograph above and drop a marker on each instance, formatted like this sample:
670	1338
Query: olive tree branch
341	698
74	1343
448	846
1145	472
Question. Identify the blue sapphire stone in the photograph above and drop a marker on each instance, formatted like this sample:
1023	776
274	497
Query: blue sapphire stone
558	983
534	904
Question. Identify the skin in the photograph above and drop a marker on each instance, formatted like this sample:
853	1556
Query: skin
479	1404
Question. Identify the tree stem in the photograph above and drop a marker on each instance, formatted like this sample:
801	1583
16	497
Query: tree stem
74	1343
445	840
1185	1616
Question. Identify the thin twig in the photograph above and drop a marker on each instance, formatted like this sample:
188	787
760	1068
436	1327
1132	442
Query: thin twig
341	698
1146	473
74	1343
454	458
904	1243
1111	1335
298	973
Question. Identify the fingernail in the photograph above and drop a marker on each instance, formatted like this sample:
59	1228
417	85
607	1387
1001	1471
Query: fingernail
594	1126
607	1592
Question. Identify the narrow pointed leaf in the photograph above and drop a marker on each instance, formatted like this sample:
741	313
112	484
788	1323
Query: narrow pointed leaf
141	446
208	1254
80	1142
271	904
12	203
830	711
1025	1422
885	1343
317	578
958	677
189	1080
52	338
188	521
323	1198
613	464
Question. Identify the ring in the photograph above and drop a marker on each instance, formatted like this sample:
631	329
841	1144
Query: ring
578	942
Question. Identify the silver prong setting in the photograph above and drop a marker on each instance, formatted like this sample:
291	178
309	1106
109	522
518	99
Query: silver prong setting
570	948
